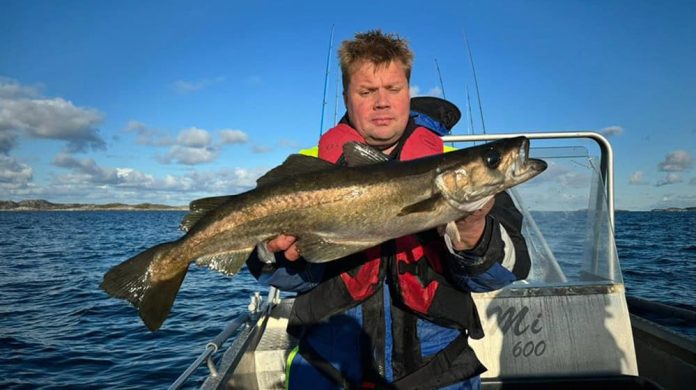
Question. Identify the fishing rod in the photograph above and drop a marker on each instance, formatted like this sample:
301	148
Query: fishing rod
442	86
478	94
336	100
439	75
326	79
468	111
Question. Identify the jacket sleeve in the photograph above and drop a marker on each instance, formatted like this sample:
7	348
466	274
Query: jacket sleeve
295	276
500	257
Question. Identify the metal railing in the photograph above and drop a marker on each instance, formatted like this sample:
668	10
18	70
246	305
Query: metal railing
257	307
606	158
606	166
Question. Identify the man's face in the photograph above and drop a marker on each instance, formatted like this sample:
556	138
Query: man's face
378	103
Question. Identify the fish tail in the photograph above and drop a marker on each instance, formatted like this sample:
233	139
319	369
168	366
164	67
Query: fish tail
131	280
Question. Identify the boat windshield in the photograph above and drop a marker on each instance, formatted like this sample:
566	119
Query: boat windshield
567	221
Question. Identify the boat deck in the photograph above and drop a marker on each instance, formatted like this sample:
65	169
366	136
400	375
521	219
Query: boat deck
257	359
266	349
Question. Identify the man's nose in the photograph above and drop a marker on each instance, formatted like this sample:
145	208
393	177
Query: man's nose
382	99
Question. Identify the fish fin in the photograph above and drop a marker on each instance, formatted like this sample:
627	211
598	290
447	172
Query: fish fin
200	207
423	206
294	165
228	263
357	154
452	231
317	249
131	281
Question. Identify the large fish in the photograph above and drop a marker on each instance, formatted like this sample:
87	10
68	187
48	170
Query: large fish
334	211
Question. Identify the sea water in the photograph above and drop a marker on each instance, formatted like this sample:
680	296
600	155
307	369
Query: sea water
58	329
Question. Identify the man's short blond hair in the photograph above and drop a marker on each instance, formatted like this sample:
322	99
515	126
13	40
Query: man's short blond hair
375	47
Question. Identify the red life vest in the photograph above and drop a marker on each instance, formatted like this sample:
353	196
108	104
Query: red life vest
416	266
420	143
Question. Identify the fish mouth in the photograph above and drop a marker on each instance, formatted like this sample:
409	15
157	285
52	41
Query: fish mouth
524	168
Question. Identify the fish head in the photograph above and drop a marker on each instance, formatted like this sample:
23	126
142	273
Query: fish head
477	173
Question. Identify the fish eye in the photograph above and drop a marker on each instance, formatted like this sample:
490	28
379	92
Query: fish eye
492	158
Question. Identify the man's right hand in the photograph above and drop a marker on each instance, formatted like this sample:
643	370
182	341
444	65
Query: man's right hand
286	244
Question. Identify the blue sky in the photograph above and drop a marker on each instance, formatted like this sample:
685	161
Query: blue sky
168	101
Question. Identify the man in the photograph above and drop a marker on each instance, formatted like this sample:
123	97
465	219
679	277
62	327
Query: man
397	315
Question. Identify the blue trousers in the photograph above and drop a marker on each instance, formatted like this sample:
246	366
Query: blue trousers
342	342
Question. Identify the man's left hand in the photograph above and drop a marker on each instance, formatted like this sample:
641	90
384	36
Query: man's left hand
471	228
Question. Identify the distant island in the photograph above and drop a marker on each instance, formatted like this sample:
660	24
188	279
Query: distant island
676	209
44	205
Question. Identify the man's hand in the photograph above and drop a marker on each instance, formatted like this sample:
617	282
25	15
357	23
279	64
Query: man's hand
286	244
471	228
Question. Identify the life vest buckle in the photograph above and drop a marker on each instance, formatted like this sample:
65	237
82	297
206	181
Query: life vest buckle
418	268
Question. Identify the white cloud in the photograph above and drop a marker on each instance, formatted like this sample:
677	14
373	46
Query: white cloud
675	200
226	181
190	147
85	170
58	119
86	173
11	89
637	178
189	155
128	177
435	91
692	182
184	86
194	138
260	149
611	130
563	176
233	137
13	173
676	161
414	90
89	182
670	178
148	135
50	118
8	140
178	183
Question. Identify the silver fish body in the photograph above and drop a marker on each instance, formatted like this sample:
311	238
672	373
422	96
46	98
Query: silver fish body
334	211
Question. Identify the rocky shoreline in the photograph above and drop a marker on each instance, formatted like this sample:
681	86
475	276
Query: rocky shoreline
675	209
44	205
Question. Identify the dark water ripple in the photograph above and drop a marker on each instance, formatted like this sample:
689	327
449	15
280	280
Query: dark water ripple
59	330
657	256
